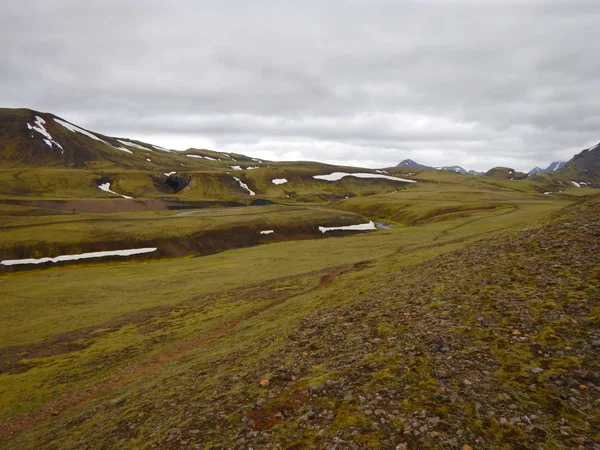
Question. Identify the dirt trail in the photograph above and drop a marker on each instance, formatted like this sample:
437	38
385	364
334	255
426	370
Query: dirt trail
66	402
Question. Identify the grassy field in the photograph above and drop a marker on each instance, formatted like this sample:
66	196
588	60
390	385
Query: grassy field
105	348
65	329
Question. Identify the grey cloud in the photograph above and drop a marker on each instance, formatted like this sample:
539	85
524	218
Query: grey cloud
477	83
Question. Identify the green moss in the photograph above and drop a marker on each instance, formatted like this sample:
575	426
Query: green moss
348	415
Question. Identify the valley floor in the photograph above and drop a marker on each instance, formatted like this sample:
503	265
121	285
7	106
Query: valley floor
479	330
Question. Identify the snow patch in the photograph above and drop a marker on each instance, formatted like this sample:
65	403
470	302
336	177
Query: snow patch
168	174
547	193
39	127
76	129
203	157
360	227
236	167
106	188
244	186
252	168
134	145
148	159
279	181
267	232
335	176
127	252
576	184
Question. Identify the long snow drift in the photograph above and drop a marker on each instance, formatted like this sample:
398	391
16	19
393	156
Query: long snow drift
106	188
128	252
76	129
39	127
203	157
335	176
360	227
279	181
244	186
134	145
267	232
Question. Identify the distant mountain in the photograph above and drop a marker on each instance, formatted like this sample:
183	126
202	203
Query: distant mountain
581	170
456	169
585	165
555	165
410	164
535	170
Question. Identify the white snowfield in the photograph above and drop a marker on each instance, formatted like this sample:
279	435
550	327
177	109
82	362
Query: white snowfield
360	227
335	176
39	127
134	145
279	181
75	129
575	183
267	232
203	157
252	168
244	186
128	252
106	188
236	167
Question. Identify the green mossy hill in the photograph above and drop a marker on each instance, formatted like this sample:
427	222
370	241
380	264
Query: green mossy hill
505	173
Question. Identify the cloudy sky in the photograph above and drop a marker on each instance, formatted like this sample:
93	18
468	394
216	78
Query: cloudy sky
478	83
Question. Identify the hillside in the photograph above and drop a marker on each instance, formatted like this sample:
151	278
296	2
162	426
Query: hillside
505	173
582	170
491	343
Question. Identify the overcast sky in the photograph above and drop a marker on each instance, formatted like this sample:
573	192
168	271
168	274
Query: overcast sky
478	83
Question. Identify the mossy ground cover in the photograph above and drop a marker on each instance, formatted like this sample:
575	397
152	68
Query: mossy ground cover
78	329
